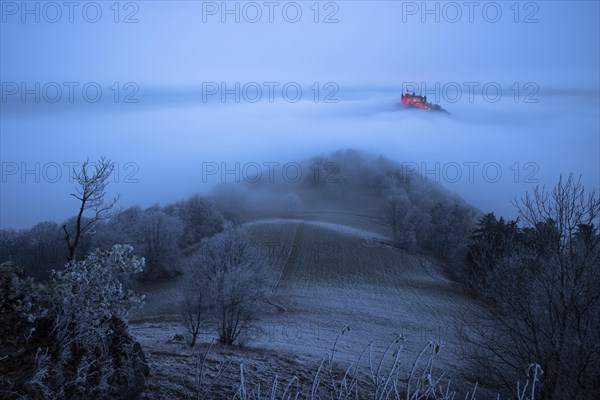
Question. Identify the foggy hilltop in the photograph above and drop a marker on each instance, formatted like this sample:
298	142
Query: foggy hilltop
343	181
342	184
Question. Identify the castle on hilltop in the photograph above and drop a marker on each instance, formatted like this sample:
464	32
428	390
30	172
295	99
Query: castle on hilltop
416	101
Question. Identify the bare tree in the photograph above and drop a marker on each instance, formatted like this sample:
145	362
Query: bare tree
545	296
395	213
193	314
232	274
156	238
402	218
91	191
195	306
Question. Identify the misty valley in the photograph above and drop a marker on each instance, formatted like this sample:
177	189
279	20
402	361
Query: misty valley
372	281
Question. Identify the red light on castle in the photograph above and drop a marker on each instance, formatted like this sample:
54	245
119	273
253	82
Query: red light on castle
412	100
415	101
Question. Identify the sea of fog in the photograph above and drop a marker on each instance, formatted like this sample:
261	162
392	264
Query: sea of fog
171	144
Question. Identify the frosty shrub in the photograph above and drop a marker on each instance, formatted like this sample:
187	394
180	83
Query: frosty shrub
156	236
152	233
88	294
229	270
199	218
69	337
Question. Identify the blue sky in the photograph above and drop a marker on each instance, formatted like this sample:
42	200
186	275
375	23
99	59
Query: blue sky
171	45
369	54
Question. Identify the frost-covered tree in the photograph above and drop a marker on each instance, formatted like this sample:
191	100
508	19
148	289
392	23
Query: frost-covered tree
156	236
153	234
93	206
448	234
403	219
69	333
545	294
194	307
37	250
119	229
231	272
491	241
90	292
199	218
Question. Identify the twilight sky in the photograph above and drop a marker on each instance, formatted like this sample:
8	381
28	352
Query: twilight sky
175	59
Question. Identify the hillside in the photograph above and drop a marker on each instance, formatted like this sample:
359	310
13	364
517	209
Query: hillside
360	245
325	276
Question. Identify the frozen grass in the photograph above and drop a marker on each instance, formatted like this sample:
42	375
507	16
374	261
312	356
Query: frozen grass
217	372
332	279
177	372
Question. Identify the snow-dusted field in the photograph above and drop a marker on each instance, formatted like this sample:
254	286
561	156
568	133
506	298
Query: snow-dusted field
328	275
346	229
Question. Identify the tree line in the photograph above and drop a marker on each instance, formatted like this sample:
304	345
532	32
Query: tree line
162	235
538	277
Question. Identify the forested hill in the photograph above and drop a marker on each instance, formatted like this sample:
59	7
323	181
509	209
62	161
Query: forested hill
346	180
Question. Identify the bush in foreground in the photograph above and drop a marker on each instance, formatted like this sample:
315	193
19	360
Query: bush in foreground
227	283
67	338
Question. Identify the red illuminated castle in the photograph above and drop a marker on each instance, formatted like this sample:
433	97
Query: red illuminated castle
414	101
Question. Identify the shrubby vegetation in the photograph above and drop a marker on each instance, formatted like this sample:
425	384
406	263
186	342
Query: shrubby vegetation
199	218
159	234
541	280
227	284
67	338
152	233
37	250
